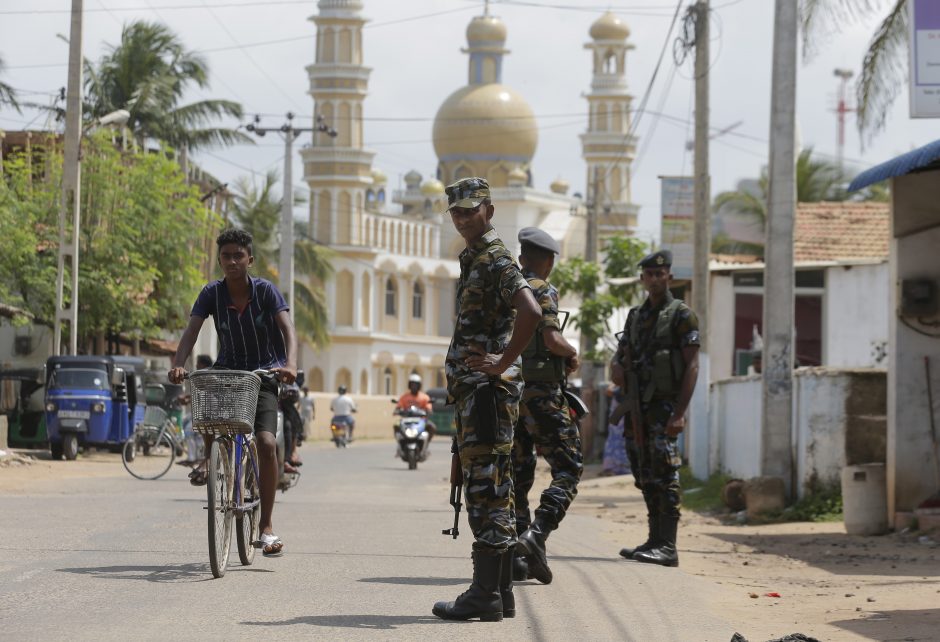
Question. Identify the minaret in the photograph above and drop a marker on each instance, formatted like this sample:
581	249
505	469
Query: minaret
338	170
608	148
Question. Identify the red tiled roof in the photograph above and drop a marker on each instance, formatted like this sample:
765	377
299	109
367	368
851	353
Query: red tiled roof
841	231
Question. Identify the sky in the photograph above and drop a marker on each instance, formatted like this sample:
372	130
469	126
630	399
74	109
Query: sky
257	53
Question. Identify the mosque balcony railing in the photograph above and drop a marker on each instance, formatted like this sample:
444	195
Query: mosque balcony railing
342	70
399	235
607	82
327	153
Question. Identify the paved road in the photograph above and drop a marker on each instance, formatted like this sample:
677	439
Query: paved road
117	558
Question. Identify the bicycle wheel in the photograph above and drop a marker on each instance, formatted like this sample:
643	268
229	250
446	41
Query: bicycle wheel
148	453
246	524
220	489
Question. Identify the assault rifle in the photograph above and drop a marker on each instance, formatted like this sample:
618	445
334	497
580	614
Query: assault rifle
456	487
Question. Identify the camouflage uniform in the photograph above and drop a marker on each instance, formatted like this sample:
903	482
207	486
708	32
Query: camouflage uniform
489	279
653	455
545	421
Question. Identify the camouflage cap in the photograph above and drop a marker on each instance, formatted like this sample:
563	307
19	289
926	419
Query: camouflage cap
538	238
467	192
662	258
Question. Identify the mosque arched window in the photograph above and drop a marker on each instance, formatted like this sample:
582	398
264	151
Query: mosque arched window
417	301
610	63
391	293
380	196
387	380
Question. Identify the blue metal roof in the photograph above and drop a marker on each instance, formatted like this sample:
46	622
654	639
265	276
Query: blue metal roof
903	164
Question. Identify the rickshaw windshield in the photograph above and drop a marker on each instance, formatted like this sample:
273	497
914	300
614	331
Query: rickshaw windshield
80	378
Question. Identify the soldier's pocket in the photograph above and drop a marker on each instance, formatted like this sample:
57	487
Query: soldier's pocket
485	413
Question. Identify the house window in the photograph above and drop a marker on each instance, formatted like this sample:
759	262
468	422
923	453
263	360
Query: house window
390	293
387	379
417	301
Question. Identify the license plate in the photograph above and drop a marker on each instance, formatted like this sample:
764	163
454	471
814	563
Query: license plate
74	414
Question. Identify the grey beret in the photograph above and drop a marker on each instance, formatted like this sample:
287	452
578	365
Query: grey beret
538	238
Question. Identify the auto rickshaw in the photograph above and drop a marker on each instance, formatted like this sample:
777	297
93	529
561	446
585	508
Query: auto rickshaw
22	403
92	401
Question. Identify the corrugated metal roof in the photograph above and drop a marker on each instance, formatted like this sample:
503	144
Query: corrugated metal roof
903	164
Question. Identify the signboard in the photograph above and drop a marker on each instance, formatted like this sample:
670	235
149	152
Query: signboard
677	227
925	58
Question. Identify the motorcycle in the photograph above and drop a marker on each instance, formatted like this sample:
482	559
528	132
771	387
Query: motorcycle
286	480
339	427
412	435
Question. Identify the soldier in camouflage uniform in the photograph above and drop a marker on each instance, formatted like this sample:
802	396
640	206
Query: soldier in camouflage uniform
658	350
544	416
496	316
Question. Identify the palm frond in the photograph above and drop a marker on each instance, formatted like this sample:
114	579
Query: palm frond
884	71
821	19
7	93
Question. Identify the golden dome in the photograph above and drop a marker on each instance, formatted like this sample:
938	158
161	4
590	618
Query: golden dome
609	27
559	186
491	121
378	177
432	187
486	29
412	178
517	176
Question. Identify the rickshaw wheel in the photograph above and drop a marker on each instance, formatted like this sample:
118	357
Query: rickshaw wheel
70	446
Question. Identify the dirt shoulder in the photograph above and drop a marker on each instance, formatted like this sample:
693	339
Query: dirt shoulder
832	586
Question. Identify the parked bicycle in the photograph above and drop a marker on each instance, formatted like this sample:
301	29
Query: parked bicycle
150	450
223	404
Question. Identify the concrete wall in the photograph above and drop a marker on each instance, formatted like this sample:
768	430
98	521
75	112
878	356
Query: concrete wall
40	342
912	464
855	318
839	419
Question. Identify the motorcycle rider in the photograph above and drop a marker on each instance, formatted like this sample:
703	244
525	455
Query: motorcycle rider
414	397
292	426
343	407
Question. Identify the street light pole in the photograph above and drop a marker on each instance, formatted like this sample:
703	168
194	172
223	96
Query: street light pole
71	194
286	255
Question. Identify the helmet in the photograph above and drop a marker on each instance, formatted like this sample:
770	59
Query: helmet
414	378
342	390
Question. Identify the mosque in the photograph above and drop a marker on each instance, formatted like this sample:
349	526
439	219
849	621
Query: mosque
392	295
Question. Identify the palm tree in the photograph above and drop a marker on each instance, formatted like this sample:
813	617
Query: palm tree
885	66
147	74
815	181
7	93
257	210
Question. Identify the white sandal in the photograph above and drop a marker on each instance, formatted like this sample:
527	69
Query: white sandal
270	545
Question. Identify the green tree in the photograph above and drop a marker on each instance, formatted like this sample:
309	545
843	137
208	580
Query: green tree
885	64
137	276
148	74
7	93
584	279
256	209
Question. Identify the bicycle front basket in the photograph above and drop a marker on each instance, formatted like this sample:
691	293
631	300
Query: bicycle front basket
154	416
224	401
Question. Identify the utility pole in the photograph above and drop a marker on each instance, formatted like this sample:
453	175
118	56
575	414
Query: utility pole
698	433
588	370
841	110
286	256
777	378
71	191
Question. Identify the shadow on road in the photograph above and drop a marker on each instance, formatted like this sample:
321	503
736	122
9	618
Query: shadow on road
161	574
895	625
418	581
373	622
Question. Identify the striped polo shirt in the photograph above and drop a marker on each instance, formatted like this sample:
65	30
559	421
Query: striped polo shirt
249	339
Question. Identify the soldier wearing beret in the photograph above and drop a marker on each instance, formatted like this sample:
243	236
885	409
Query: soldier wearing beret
496	316
657	364
544	416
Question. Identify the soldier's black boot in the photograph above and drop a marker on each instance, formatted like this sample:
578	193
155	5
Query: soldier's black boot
520	568
505	583
532	545
482	600
665	553
652	539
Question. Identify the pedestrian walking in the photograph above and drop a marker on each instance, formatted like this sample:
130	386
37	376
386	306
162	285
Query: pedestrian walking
544	416
657	363
484	383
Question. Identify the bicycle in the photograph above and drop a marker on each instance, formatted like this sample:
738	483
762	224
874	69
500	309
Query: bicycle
156	442
223	405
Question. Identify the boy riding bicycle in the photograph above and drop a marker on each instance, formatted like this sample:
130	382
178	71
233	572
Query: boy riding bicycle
255	333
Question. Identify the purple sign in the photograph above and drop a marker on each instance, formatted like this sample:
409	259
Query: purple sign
925	58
